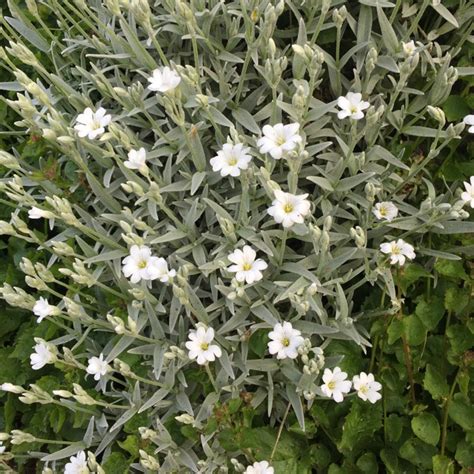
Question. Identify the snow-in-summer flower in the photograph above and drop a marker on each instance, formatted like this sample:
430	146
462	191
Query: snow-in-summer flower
163	80
2	448
142	265
468	195
469	120
92	124
200	345
136	159
261	467
335	384
366	387
352	106
42	309
398	250
77	464
288	209
386	211
245	265
408	48
43	354
284	341
279	139
97	366
231	159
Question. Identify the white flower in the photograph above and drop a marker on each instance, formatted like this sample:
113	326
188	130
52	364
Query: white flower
284	341
385	211
97	366
261	467
163	80
2	448
245	267
231	159
92	124
9	387
44	354
409	48
335	384
37	213
398	250
279	139
142	265
77	464
289	209
469	120
351	106
200	347
366	387
468	195
136	159
42	309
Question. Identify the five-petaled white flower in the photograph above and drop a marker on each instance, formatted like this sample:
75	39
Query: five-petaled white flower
289	209
142	265
163	80
409	48
261	467
45	353
245	267
97	367
231	159
335	384
284	341
136	159
366	387
92	124
42	309
468	195
352	106
279	139
398	250
77	464
200	347
469	120
385	211
37	213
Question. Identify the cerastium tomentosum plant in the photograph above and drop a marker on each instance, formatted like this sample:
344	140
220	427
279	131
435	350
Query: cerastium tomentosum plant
238	181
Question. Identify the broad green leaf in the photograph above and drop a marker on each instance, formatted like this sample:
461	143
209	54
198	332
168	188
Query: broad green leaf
426	427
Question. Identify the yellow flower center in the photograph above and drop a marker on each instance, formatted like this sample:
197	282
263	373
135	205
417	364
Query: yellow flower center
247	266
332	385
204	346
288	208
383	211
280	141
363	389
95	125
285	342
232	161
142	264
395	250
354	109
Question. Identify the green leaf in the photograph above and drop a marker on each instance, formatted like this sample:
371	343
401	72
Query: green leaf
394	427
455	108
116	463
451	269
426	427
359	427
258	342
435	383
443	465
367	463
465	453
418	453
456	299
395	331
461	411
414	330
389	36
430	312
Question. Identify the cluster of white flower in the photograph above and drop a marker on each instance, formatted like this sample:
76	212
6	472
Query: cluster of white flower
336	385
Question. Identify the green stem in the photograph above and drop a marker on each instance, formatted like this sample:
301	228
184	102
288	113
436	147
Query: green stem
211	378
240	87
444	430
282	247
280	430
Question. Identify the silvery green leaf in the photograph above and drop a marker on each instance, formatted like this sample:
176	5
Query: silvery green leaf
389	37
295	400
65	452
29	34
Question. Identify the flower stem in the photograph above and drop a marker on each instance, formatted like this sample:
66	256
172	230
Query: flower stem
211	378
280	430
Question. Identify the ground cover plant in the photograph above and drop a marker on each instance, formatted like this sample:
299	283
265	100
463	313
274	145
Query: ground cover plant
237	236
